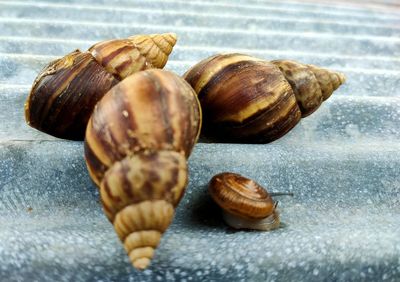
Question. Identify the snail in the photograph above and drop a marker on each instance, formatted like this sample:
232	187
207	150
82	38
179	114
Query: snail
246	99
65	92
245	203
137	143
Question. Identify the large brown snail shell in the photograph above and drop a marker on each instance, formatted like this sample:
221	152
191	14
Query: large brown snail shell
137	143
246	99
245	203
65	92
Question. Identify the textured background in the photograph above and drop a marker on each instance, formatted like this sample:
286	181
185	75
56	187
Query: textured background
342	163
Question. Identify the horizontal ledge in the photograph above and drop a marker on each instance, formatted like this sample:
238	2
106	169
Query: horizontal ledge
197	48
321	9
368	146
14	86
341	119
199	14
187	64
372	99
339	98
31	21
356	6
363	144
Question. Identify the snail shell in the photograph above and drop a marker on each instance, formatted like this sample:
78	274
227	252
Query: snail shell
64	94
246	99
245	204
137	143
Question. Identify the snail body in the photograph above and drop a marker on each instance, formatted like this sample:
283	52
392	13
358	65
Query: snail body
137	143
64	94
245	203
247	99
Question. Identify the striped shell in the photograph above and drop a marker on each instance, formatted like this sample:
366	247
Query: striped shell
65	92
246	204
246	99
137	143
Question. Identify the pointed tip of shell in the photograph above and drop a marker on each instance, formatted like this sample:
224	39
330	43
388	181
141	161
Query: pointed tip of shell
155	47
342	77
141	263
141	257
328	80
337	79
140	227
165	41
140	247
171	37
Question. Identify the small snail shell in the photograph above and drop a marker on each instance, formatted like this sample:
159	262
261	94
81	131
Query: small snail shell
137	142
65	92
247	99
245	204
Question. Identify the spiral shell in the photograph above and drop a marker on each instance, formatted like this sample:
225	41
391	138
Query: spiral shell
245	204
246	99
65	92
137	143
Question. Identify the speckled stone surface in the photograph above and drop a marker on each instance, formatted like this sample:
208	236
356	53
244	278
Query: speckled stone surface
342	223
342	163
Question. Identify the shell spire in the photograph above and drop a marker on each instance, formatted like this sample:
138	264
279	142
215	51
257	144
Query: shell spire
328	80
311	84
155	47
123	57
140	200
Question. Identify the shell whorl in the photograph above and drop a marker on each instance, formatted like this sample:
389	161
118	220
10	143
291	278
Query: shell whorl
143	176
328	80
64	93
137	143
311	84
249	99
155	47
245	203
243	98
139	195
150	110
123	57
241	196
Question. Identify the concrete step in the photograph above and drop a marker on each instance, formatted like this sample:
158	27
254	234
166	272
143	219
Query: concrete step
50	209
33	46
219	36
317	10
21	69
341	118
136	15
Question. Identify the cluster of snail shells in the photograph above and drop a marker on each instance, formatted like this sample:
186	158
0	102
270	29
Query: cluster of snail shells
141	123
